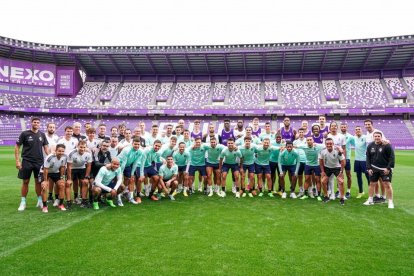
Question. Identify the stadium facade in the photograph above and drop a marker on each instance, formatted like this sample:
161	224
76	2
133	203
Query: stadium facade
344	79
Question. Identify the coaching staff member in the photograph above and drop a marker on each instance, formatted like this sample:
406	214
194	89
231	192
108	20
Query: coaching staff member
33	142
380	162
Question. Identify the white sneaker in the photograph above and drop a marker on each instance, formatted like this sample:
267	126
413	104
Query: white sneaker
284	195
332	197
78	201
210	193
233	189
292	195
300	194
390	205
39	204
311	195
171	197
22	207
367	203
223	194
200	188
131	200
120	203
237	194
56	203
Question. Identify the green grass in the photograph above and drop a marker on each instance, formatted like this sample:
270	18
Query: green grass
200	235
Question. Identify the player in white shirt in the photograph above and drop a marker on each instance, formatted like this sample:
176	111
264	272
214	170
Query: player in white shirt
92	143
68	140
144	134
332	162
52	139
211	133
340	141
127	141
53	173
239	130
79	171
113	146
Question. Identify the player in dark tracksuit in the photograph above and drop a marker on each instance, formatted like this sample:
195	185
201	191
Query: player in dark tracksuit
380	162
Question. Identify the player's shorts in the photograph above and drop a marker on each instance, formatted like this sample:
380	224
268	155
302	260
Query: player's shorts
274	167
250	168
348	165
377	174
55	177
210	165
182	168
78	174
111	185
200	169
150	171
158	166
309	170
128	171
360	166
301	168
262	169
332	171
233	167
289	168
27	168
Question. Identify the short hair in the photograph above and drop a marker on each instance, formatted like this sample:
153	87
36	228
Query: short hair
169	125
333	123
249	127
173	138
50	123
316	126
226	121
82	143
267	123
90	130
368	120
181	143
266	139
247	138
186	130
289	143
197	121
230	140
328	139
344	124
68	127
197	138
157	141
121	125
136	140
60	146
77	124
154	126
35	119
102	124
169	156
114	127
377	132
87	123
213	139
301	129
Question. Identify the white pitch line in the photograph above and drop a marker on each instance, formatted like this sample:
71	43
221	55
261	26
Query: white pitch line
46	235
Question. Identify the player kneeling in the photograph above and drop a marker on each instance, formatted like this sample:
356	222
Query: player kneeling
52	172
168	177
109	182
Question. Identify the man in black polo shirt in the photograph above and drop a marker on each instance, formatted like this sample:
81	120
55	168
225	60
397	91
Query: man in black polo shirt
33	142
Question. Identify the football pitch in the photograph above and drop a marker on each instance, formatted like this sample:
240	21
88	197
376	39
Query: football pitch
210	236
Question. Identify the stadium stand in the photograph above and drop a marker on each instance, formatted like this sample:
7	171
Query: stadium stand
331	90
135	95
270	91
299	94
396	88
244	95
195	95
363	93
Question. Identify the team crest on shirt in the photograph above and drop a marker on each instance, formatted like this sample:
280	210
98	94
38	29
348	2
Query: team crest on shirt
380	149
40	139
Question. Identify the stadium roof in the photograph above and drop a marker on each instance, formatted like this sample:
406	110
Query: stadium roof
377	54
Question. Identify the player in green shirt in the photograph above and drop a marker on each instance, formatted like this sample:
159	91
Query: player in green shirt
182	160
360	163
168	177
248	151
349	141
131	159
197	162
186	139
212	165
298	144
289	161
151	155
312	168
231	155
254	140
274	158
267	133
262	166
